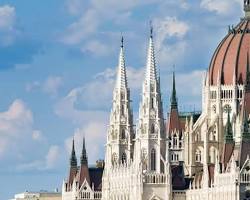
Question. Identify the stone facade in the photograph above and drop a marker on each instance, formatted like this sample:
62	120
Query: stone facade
191	157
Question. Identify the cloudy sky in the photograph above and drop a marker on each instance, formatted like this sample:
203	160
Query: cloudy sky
57	68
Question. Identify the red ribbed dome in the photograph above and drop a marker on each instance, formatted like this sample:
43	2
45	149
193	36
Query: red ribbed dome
230	57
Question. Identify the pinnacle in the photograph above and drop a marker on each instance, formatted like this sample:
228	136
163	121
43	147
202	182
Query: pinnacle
173	96
73	160
84	158
121	74
151	63
228	129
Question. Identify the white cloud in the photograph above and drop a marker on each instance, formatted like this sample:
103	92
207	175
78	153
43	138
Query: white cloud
223	7
7	25
166	29
51	161
75	7
78	31
15	127
37	135
53	157
7	18
52	84
96	47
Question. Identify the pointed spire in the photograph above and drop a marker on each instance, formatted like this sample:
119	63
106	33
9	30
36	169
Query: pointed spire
174	104
121	81
84	158
245	128
151	73
228	130
73	160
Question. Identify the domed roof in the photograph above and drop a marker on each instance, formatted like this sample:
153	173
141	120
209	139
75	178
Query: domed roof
230	60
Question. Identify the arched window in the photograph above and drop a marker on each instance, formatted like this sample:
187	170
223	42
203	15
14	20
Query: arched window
212	155
152	129
124	158
198	156
153	160
114	158
123	134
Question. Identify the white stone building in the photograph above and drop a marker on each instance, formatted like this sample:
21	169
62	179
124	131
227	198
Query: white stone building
204	157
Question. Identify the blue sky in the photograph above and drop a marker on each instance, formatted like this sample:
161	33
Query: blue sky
57	69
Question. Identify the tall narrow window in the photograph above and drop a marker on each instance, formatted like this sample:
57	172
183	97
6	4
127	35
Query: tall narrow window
152	128
152	103
123	134
153	160
122	110
124	158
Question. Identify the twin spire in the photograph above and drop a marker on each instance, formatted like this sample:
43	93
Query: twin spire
84	157
151	72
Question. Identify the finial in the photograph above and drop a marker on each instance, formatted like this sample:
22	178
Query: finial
151	29
122	41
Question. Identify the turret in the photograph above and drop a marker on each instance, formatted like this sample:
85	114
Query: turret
150	137
120	132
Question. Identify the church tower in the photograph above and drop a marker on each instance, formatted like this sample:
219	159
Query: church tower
174	130
120	131
150	138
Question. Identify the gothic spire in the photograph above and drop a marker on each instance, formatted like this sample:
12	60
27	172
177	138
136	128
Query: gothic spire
73	160
84	158
173	96
121	74
151	64
228	130
245	128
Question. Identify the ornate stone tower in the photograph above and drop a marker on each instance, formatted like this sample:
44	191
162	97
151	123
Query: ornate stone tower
150	138
120	131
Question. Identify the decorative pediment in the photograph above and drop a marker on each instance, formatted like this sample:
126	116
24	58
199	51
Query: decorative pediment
85	186
246	166
154	197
